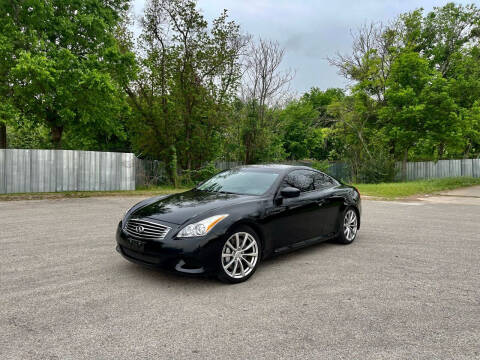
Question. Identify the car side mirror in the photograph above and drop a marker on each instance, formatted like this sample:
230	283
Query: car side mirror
290	192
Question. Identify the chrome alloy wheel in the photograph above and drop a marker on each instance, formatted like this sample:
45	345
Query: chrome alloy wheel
239	255
350	225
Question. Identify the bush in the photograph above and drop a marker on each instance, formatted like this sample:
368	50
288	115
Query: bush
380	168
193	177
172	166
321	165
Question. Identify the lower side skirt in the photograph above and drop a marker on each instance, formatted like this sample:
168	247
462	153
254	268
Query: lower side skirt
304	243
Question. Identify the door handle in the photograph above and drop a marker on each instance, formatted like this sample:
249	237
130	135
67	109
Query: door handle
320	202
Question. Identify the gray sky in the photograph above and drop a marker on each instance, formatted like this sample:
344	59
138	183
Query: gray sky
309	30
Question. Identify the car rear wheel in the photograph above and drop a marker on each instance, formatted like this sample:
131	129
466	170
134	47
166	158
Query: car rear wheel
240	255
348	226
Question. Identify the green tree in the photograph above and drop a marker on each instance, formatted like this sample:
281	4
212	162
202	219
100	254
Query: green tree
298	118
404	110
264	87
446	33
64	63
422	71
188	76
305	123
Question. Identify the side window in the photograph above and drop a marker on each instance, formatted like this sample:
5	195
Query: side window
323	181
301	179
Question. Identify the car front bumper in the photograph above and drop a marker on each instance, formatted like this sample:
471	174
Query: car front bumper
198	255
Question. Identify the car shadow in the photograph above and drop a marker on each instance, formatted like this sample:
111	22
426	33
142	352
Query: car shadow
172	278
167	277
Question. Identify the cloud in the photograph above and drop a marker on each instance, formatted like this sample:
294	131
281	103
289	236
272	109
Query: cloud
309	30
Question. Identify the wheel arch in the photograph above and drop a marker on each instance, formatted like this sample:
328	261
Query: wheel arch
257	228
354	206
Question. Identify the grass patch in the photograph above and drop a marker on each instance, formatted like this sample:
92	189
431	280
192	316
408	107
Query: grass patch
146	192
410	188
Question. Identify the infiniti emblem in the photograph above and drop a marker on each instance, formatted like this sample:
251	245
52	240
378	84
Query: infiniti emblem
139	229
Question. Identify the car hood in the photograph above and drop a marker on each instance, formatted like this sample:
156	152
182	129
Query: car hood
178	208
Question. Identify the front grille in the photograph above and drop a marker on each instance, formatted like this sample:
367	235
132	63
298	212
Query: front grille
143	229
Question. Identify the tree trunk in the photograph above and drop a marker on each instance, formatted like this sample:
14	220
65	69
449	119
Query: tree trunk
466	153
3	136
187	142
441	150
404	165
250	147
56	132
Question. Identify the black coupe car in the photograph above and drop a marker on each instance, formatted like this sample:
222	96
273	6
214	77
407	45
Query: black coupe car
229	223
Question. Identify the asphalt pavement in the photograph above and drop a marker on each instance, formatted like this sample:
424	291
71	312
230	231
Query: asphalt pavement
407	288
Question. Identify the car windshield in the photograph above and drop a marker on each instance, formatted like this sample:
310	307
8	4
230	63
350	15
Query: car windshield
240	182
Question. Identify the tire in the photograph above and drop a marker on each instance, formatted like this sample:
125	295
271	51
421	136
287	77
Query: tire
234	266
348	226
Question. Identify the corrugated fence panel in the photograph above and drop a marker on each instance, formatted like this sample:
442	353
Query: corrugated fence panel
455	168
65	170
440	169
3	187
71	170
51	171
16	183
128	171
97	172
123	167
466	167
476	167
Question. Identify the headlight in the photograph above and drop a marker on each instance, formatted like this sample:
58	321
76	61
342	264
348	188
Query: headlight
202	227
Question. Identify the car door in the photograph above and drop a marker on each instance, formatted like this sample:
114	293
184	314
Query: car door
329	203
296	219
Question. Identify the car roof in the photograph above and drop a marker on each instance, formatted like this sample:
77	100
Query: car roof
277	168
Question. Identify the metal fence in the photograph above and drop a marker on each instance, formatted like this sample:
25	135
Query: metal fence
415	170
24	171
442	168
150	173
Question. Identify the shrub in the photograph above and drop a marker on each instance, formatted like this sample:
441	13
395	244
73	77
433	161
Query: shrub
322	165
380	168
193	177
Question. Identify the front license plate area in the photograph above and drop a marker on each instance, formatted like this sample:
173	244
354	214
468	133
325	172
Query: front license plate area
136	245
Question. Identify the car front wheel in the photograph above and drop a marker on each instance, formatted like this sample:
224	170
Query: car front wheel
240	255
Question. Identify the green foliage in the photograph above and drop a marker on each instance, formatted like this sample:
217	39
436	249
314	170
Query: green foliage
322	165
25	135
405	108
306	124
172	166
416	83
73	75
61	65
188	72
193	177
298	118
377	169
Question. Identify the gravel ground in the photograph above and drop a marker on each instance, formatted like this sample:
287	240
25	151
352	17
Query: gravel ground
407	288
